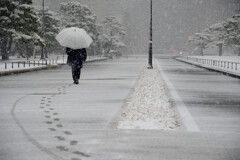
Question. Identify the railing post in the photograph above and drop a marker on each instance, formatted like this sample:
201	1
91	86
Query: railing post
12	64
5	65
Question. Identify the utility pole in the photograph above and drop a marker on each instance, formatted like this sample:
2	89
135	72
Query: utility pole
150	66
43	26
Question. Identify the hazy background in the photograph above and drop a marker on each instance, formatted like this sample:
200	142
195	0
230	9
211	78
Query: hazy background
173	20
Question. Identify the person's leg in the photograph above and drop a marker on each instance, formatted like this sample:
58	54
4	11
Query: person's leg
78	72
74	73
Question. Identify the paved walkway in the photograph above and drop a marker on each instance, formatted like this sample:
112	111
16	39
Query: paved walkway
44	112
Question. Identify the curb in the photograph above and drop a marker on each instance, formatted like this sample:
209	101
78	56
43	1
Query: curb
12	72
228	73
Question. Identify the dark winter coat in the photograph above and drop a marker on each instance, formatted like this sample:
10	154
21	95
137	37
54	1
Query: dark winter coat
76	57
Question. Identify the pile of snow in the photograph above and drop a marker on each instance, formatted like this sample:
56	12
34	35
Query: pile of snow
148	106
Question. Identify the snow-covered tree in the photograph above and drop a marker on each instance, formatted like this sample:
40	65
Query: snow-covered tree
218	34
51	29
200	40
226	33
232	26
112	33
19	26
105	43
27	28
7	26
74	14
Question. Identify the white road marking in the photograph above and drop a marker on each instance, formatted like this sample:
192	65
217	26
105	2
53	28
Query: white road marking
186	117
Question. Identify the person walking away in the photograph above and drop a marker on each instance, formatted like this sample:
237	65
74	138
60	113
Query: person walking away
75	60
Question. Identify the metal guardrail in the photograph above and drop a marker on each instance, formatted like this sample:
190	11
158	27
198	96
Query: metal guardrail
227	65
29	63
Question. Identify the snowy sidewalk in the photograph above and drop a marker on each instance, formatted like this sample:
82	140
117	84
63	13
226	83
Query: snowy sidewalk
54	119
225	64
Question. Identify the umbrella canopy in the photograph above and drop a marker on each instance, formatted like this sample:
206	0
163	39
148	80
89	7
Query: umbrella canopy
74	38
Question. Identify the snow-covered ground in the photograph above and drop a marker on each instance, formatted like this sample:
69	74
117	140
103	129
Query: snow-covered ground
148	106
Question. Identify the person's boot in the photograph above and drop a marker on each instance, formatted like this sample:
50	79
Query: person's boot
76	81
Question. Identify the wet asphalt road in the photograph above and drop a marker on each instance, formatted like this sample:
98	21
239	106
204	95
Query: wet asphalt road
212	98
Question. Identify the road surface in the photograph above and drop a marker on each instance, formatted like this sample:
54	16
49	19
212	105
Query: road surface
45	117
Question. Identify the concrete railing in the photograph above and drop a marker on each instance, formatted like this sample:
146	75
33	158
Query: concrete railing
228	65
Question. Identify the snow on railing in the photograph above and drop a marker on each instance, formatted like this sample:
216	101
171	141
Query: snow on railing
232	66
26	64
